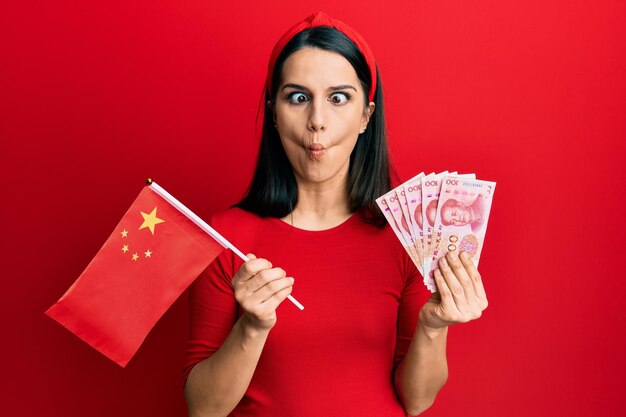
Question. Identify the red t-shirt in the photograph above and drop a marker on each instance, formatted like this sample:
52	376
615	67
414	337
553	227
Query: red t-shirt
362	296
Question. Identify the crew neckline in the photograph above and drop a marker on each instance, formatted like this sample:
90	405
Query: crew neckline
353	217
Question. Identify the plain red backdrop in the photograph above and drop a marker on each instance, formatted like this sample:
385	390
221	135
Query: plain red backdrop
96	96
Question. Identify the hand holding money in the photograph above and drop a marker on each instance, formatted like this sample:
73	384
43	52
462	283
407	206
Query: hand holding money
460	298
436	214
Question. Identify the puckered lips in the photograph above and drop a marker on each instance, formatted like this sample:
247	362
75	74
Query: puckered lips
316	151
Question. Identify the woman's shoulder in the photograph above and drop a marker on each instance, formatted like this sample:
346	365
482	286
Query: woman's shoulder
232	214
236	224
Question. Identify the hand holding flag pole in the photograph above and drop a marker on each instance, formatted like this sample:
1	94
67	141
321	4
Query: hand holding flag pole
204	226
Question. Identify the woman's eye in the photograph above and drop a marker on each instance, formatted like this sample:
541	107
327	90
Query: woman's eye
339	98
297	98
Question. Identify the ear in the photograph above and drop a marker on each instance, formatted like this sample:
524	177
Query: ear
367	113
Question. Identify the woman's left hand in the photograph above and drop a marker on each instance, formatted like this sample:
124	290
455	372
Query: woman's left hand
460	298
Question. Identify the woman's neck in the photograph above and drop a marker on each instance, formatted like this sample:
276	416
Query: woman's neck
320	205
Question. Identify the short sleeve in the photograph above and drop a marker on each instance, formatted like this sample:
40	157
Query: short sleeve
414	295
212	310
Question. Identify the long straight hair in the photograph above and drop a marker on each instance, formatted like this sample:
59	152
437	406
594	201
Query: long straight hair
273	191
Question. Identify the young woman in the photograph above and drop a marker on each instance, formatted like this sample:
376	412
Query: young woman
371	340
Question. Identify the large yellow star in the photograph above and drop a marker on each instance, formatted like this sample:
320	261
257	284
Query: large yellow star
150	220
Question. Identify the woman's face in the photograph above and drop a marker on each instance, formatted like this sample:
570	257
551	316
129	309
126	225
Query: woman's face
319	112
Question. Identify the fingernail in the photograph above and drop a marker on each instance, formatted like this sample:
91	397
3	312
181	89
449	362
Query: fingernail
444	263
464	256
452	255
292	280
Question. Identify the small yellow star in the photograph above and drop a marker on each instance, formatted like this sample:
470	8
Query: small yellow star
125	248
135	256
124	233
150	220
148	253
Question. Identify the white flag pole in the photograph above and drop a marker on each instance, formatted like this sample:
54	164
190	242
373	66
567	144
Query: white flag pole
204	226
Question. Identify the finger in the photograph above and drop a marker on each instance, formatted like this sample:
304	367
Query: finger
447	302
462	276
249	256
474	275
271	288
264	278
252	297
252	267
272	302
455	287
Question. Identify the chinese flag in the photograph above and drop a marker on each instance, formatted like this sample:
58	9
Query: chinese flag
152	256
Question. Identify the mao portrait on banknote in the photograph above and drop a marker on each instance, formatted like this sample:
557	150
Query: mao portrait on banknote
461	218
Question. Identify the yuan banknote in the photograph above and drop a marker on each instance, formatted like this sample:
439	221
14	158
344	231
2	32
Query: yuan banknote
390	206
460	220
413	193
407	221
431	186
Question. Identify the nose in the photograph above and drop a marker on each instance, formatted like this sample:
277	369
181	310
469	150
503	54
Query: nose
317	116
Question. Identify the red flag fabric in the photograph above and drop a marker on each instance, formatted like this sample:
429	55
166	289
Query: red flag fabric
152	256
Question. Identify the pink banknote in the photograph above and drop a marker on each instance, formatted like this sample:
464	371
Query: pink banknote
413	193
431	185
389	205
407	221
394	200
460	221
410	196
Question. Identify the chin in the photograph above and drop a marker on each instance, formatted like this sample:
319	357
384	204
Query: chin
314	176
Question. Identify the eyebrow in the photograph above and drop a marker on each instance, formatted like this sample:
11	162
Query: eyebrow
335	88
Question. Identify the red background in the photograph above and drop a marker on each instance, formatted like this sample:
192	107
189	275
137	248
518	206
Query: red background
96	96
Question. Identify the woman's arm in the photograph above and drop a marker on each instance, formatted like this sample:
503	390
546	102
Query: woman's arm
423	371
460	298
216	385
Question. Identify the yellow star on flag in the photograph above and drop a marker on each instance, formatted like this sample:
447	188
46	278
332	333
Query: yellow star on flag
148	253
150	220
135	256
125	248
124	233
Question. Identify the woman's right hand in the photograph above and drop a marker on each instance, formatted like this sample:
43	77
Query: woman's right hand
259	290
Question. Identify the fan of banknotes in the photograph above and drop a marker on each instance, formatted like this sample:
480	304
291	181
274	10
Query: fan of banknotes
439	213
